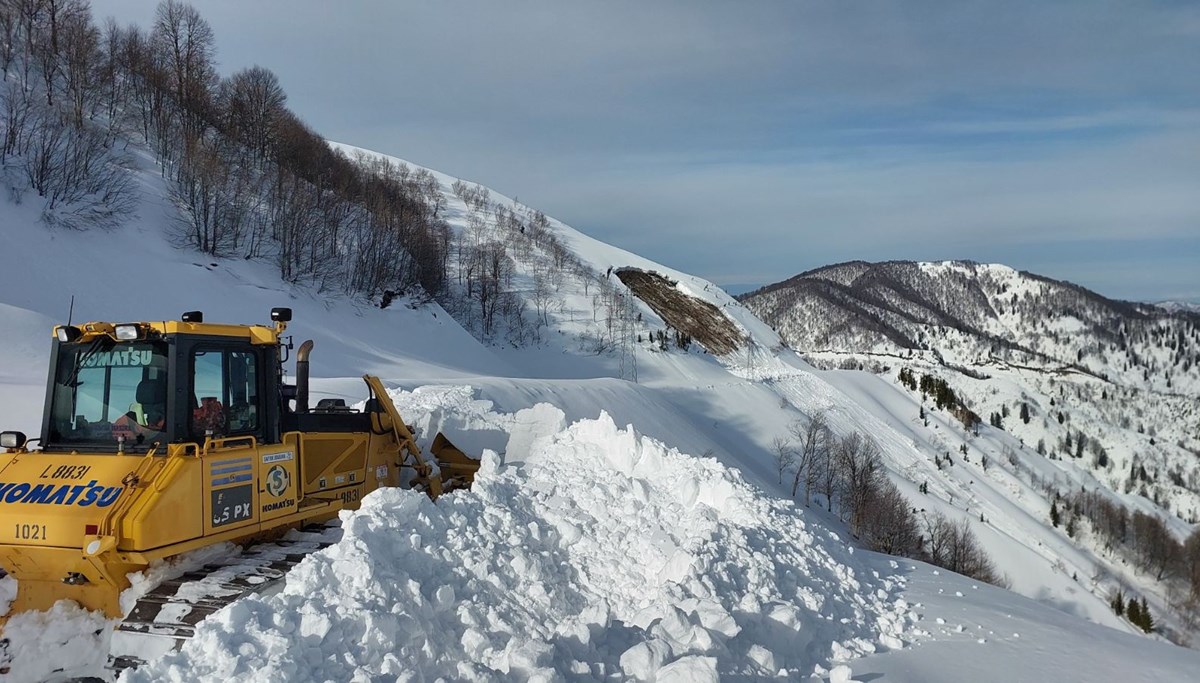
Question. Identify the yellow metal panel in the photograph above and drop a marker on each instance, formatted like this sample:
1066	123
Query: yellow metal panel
383	461
263	335
174	494
338	459
49	499
40	572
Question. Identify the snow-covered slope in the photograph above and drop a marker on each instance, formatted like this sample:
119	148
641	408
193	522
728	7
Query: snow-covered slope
587	549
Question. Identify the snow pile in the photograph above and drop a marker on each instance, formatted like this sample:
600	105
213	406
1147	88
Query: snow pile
41	646
603	554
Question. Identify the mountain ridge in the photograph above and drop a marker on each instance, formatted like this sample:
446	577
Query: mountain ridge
994	303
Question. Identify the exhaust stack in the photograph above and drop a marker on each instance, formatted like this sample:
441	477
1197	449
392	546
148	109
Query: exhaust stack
302	376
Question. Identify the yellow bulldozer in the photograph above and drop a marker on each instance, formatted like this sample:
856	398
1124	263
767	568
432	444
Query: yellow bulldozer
160	438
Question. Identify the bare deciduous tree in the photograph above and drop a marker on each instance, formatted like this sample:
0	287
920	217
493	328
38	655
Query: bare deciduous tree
184	43
253	103
886	522
83	181
785	456
815	439
79	59
1155	548
858	464
955	547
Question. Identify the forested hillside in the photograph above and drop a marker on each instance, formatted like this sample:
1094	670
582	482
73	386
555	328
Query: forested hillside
251	179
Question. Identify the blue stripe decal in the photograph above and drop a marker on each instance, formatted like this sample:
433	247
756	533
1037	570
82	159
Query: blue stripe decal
232	479
231	468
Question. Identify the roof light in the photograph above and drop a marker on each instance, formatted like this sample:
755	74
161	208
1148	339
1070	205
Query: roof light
128	332
67	334
193	317
281	315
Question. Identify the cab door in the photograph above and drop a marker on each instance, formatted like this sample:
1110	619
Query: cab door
225	399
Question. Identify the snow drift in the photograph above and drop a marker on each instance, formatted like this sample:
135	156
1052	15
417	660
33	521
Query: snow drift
603	553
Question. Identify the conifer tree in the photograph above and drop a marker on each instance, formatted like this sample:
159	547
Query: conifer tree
1147	622
1118	604
1054	518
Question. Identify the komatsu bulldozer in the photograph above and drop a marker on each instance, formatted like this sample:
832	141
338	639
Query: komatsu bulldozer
160	438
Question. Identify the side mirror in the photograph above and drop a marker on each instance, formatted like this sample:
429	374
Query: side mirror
281	315
13	440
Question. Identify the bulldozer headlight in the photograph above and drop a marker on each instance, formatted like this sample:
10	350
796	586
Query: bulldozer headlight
67	334
12	440
281	315
128	332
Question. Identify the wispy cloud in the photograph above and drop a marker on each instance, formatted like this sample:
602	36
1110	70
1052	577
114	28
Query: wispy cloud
1042	123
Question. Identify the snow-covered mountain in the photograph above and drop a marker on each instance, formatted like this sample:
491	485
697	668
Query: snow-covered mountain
976	314
1132	370
1104	390
1179	306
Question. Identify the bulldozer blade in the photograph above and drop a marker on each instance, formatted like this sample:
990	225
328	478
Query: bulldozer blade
458	468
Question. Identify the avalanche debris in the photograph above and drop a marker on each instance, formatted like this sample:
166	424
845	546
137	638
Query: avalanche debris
601	554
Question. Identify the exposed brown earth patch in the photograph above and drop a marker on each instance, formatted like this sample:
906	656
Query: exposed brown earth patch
698	319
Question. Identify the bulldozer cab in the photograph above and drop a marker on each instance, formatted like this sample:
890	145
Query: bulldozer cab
132	388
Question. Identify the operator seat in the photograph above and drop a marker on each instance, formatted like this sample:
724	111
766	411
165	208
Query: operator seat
150	400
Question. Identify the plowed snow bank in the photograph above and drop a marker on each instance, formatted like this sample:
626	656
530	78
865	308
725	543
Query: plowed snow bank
604	553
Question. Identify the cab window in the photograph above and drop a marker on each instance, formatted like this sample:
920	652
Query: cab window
105	391
225	399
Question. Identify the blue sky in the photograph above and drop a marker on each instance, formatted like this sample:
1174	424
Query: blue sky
748	141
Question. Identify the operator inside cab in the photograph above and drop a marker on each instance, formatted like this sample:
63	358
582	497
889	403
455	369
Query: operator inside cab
225	398
208	417
146	419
